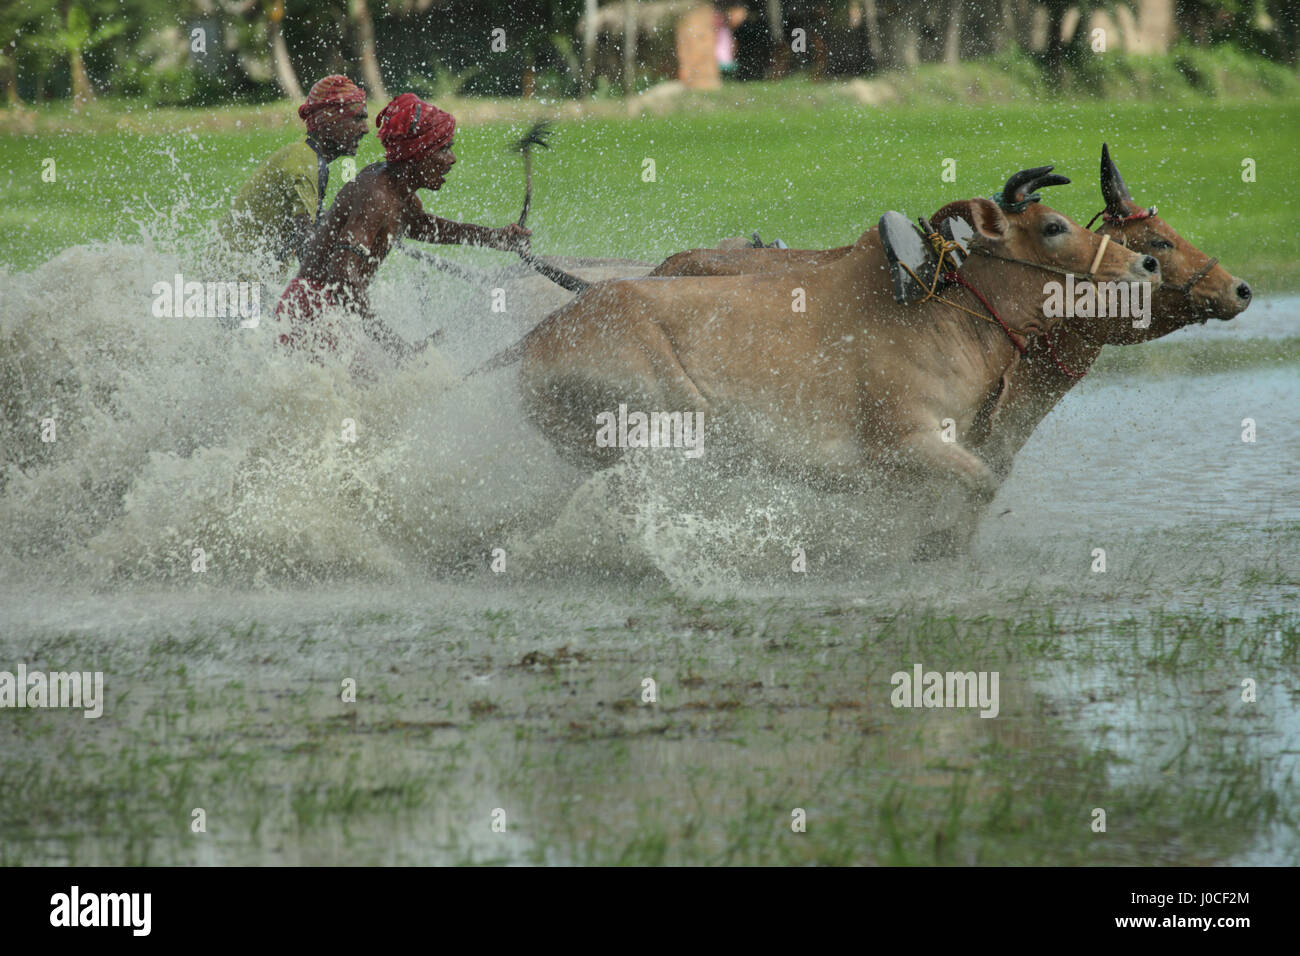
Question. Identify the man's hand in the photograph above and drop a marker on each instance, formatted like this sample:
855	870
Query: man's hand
513	238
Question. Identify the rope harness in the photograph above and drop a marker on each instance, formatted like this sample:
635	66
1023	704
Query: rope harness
945	247
1197	276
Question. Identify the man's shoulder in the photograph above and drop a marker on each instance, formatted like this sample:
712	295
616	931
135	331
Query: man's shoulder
370	182
295	157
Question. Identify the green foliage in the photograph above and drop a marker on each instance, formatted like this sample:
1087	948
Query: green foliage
77	34
439	83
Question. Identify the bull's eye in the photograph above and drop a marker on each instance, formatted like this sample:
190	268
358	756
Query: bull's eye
1160	244
1053	228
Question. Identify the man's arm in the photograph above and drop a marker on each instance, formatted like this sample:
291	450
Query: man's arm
428	228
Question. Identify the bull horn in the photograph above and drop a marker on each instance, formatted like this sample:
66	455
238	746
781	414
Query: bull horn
1014	190
1113	189
1052	180
1020	189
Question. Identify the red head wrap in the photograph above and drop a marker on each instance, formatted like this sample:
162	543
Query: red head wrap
335	90
410	127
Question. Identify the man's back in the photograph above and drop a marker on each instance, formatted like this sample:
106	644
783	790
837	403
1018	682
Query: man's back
262	216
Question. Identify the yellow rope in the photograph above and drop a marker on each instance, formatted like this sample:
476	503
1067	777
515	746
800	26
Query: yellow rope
943	247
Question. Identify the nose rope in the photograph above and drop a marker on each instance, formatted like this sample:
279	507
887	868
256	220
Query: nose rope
1201	273
1101	251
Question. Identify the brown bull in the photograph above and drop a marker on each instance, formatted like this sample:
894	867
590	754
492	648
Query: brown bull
1195	289
855	388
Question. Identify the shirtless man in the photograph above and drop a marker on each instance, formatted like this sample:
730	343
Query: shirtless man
369	216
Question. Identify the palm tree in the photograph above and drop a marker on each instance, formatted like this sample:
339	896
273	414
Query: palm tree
72	41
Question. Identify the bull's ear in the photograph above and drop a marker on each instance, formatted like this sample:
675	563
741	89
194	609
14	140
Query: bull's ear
988	219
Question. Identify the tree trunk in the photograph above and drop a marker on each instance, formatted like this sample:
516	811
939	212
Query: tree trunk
1287	14
780	48
1155	26
629	47
10	71
952	36
1019	14
901	34
82	91
284	74
589	49
366	41
1054	56
872	23
994	28
774	18
528	80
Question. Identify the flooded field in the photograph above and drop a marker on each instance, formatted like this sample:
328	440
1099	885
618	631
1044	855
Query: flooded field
503	716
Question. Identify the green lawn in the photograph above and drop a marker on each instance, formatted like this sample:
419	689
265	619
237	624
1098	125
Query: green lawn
812	175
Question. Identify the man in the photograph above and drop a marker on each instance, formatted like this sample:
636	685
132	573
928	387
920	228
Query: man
369	216
279	206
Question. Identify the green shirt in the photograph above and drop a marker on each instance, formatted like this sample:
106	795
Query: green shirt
285	186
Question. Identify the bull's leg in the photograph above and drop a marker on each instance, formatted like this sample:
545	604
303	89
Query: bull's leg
926	451
951	541
972	486
937	545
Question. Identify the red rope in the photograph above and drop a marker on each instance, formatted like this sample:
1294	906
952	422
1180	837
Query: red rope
1057	359
1119	220
958	278
1131	217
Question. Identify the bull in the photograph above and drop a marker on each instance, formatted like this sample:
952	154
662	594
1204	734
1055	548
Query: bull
853	391
1195	289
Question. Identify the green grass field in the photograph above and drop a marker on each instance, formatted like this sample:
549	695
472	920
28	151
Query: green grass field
813	175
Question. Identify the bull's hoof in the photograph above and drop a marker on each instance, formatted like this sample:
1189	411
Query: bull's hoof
937	545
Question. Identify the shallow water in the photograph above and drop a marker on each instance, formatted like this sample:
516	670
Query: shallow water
1149	453
327	558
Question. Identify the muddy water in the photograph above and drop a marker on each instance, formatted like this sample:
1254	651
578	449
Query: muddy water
327	559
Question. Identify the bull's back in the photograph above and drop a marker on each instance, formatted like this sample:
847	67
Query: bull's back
731	262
